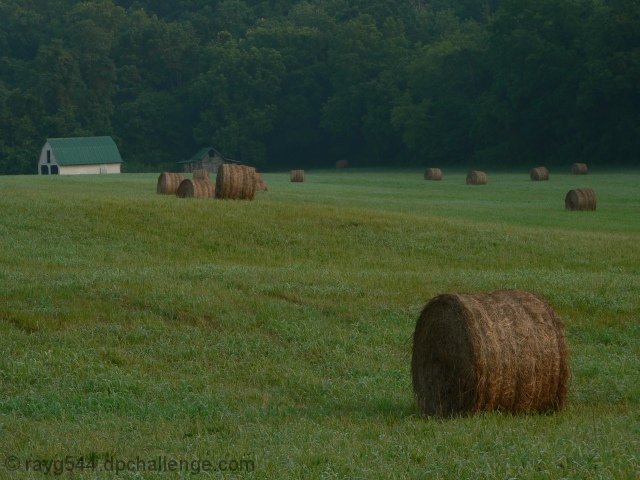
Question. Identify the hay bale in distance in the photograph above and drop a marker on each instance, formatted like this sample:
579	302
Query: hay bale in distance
236	182
248	183
201	174
580	199
476	177
539	174
261	186
505	350
297	175
433	174
579	169
196	189
342	164
168	183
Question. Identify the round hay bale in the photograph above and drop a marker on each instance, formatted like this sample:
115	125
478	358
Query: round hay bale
297	175
225	181
168	183
248	183
201	174
579	169
196	189
433	174
236	182
539	174
580	199
476	177
261	186
504	350
342	164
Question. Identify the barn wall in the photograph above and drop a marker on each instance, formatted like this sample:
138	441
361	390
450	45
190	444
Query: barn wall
90	169
209	163
212	163
43	157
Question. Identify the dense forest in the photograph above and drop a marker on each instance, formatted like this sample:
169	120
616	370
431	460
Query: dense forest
279	83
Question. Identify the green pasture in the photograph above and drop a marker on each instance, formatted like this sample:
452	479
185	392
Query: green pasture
278	331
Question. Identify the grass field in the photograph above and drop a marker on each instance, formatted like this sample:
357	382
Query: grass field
279	331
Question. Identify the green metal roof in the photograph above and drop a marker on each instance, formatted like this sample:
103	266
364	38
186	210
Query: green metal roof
84	150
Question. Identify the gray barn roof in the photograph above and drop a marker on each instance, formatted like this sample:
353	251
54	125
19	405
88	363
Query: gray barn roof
200	154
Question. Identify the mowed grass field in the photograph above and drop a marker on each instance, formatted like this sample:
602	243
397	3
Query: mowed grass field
279	330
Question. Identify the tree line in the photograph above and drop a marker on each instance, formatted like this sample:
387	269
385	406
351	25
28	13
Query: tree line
280	83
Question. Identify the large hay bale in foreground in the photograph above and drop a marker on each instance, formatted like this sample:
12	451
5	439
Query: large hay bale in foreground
201	174
342	164
539	174
433	174
168	183
196	189
476	177
580	199
579	169
236	182
504	350
297	175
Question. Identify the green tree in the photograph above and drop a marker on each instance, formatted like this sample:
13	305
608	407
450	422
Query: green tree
235	99
296	131
536	59
435	113
363	62
607	125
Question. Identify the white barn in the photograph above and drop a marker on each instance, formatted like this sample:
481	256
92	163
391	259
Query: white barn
79	156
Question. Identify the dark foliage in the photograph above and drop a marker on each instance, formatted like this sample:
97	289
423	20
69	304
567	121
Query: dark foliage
306	83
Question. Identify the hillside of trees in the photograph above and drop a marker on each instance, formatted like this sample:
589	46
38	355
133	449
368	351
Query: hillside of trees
277	83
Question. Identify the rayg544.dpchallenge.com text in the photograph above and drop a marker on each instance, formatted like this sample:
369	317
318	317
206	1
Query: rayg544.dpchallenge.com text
112	464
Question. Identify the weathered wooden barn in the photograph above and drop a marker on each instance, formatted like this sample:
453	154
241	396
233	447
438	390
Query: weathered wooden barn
207	158
79	156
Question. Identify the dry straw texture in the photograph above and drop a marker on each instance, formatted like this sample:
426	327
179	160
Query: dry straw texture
261	186
433	174
579	169
580	199
196	189
297	175
201	174
168	183
342	164
236	182
504	350
539	174
476	177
